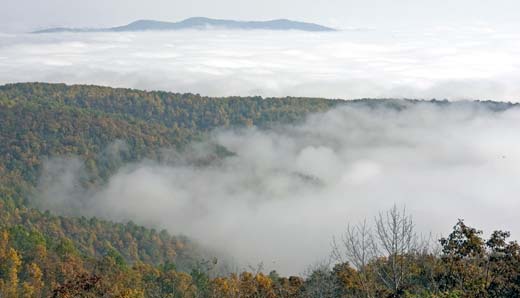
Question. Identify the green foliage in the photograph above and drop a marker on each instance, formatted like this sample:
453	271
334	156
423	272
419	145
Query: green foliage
40	121
92	237
44	255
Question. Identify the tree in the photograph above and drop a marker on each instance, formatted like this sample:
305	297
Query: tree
396	239
320	283
478	268
357	248
503	272
382	254
464	256
13	262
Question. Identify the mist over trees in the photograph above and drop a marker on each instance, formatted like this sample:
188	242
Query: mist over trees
103	130
389	261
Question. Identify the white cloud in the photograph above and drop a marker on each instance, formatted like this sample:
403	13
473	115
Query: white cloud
287	191
454	63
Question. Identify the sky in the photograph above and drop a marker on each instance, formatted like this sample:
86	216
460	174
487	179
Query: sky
28	15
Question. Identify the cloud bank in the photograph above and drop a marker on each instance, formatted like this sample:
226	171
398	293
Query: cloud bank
453	63
286	191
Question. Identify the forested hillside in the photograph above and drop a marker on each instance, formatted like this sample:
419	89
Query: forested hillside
45	120
40	121
46	255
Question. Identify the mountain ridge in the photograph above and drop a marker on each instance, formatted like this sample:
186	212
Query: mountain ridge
200	23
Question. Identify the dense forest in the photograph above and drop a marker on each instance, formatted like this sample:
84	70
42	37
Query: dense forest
48	255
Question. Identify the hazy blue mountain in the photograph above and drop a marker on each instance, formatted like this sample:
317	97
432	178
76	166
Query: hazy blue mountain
201	24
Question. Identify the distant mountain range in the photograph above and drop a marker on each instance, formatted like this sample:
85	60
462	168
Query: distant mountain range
200	24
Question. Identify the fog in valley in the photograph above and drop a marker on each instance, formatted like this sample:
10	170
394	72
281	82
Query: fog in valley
457	62
285	192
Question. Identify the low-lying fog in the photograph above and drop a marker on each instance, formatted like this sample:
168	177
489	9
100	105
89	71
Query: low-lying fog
444	62
287	191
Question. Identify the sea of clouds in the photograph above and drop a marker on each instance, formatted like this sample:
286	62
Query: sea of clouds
444	62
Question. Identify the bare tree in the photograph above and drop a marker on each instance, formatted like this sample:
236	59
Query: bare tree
397	241
382	254
356	247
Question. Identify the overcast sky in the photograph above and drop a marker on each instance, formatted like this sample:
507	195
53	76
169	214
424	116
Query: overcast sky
26	15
